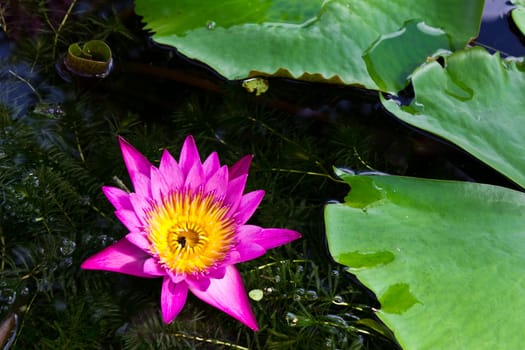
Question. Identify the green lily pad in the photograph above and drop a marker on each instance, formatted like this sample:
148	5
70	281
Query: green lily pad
308	40
445	258
392	74
518	15
476	102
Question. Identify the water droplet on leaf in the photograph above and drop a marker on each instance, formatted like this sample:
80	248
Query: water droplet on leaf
210	25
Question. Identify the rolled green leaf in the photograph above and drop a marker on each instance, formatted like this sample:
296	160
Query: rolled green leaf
93	59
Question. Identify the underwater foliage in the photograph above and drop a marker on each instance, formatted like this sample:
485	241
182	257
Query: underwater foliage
59	147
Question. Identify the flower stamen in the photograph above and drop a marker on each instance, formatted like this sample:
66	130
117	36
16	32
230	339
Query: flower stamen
190	232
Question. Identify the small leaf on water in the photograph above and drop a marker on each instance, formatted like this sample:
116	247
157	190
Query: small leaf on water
92	59
256	294
256	85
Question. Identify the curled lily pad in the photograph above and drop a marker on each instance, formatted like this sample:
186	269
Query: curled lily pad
93	59
476	102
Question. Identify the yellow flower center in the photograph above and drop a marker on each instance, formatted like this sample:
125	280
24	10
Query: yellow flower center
190	232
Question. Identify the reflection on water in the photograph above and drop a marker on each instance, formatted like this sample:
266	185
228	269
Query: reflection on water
498	31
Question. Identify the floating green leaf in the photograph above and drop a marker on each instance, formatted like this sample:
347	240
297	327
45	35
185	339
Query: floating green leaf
444	258
92	59
518	15
476	102
309	40
256	85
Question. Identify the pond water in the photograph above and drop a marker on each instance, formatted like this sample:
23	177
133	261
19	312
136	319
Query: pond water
58	146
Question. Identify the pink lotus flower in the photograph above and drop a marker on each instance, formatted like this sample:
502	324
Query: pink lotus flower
187	224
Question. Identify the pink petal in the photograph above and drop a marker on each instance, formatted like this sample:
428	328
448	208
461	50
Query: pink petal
142	185
139	240
171	172
218	272
136	163
211	165
247	233
249	203
218	183
234	192
200	283
195	177
129	219
245	251
174	277
122	256
172	299
254	241
117	197
189	155
228	295
274	237
152	267
159	187
241	167
140	206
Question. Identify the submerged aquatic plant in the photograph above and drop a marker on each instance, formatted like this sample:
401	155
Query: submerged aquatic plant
187	224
